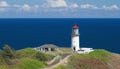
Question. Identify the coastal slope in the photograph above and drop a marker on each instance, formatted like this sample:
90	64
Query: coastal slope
99	59
63	58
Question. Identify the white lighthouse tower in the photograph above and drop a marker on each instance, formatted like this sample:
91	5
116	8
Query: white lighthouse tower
75	38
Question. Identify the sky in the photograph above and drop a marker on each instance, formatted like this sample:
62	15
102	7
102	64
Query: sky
59	8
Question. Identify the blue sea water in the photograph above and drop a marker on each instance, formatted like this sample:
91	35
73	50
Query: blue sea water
95	33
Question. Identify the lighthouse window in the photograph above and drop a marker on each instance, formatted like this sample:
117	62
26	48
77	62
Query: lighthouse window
76	31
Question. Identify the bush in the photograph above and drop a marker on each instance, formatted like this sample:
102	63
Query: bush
8	61
27	52
2	67
6	55
7	52
61	67
41	56
31	64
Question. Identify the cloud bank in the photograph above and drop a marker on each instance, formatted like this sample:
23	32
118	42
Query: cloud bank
3	4
59	6
55	4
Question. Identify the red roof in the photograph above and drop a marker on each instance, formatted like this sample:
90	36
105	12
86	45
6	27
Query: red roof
75	27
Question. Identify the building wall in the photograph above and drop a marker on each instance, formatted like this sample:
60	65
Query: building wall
75	43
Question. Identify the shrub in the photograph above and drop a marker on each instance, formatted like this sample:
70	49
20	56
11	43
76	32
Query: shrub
2	67
41	56
31	64
27	52
6	55
7	52
61	67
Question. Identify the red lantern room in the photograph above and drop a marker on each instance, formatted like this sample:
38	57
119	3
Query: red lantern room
75	27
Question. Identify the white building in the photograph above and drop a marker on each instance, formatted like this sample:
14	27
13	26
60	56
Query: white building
85	50
75	42
46	48
75	38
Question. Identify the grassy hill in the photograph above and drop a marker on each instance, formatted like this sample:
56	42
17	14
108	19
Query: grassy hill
98	59
27	58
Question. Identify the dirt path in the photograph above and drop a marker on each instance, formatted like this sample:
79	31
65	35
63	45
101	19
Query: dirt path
52	61
115	61
62	61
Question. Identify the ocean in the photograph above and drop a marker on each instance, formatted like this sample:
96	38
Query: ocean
97	33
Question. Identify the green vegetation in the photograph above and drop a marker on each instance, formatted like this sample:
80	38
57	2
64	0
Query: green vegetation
62	67
7	52
27	52
41	56
65	50
2	67
27	58
6	55
98	54
31	64
97	59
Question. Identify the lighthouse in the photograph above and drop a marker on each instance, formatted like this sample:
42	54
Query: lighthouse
75	38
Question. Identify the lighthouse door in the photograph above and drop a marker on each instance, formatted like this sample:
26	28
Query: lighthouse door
74	48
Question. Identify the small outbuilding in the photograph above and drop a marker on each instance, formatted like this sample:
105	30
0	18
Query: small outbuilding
85	50
46	48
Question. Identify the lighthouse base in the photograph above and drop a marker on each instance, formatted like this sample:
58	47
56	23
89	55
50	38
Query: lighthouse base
75	43
85	50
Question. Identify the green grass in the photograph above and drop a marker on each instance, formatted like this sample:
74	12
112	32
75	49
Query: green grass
32	53
2	67
26	59
27	52
65	50
26	64
93	60
42	56
31	64
61	67
98	54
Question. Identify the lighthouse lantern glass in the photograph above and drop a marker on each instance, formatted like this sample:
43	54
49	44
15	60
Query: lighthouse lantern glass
76	31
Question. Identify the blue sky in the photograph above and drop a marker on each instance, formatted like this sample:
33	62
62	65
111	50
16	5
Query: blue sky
59	8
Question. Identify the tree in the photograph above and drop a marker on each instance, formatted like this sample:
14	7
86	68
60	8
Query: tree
7	52
1	56
41	56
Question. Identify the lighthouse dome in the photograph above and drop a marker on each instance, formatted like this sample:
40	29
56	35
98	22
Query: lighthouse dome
75	27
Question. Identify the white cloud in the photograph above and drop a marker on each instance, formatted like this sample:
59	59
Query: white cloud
88	6
36	6
3	4
16	5
52	5
57	3
74	5
114	7
110	7
26	7
2	9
